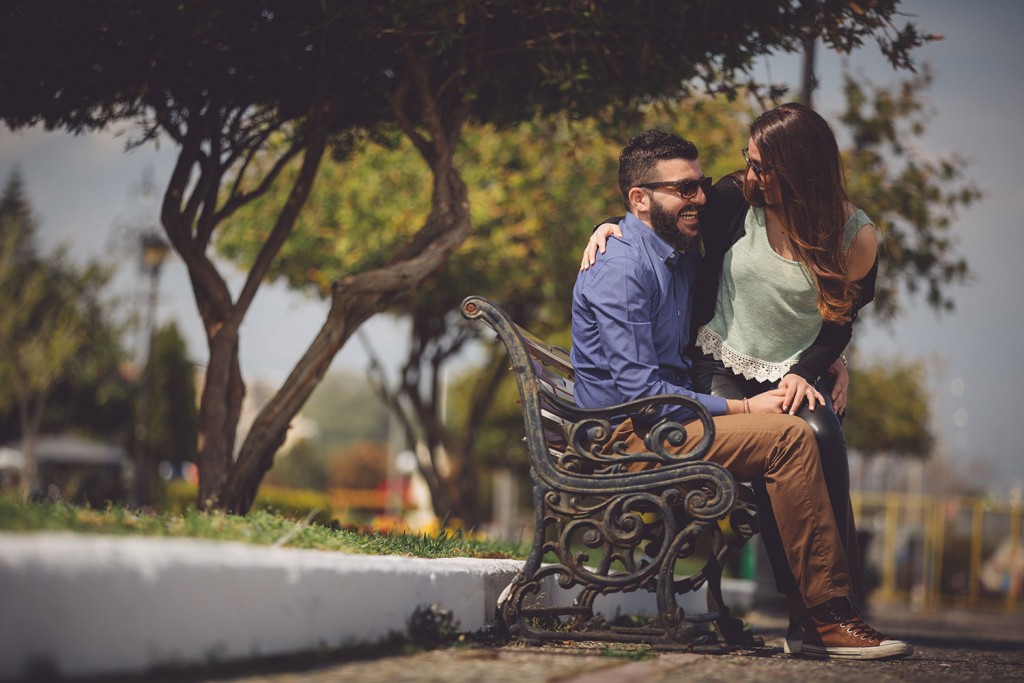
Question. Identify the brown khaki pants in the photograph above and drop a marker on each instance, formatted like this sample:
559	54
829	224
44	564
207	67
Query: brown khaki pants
781	451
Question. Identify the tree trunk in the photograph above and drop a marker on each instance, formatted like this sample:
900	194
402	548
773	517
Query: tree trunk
354	300
190	231
809	40
30	414
810	82
460	485
219	411
30	466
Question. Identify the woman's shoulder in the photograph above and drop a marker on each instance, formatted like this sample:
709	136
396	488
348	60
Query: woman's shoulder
861	240
856	217
858	225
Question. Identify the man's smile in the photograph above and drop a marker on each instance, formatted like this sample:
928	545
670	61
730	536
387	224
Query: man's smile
690	213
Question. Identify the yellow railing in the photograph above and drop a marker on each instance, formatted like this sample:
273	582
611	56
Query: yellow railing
934	550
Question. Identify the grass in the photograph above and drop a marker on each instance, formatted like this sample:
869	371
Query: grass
258	528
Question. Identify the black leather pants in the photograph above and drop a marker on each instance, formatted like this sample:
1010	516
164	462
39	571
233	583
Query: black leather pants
711	377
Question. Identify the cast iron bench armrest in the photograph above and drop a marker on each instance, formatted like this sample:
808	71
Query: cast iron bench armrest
592	464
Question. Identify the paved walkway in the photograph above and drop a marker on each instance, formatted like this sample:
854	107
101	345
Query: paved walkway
956	645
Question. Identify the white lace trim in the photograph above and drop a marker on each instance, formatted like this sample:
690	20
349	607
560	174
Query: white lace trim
751	368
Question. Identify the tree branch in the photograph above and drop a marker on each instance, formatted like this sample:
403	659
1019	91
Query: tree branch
236	201
315	142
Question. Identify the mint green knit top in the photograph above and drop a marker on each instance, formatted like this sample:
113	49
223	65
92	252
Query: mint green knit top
766	312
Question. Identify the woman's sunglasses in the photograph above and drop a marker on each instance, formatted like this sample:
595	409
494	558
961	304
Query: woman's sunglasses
754	166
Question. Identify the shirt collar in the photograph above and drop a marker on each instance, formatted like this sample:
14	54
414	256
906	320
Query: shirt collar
659	247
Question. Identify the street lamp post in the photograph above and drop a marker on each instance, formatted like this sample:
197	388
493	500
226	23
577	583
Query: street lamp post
153	251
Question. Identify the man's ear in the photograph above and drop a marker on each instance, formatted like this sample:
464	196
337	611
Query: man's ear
639	200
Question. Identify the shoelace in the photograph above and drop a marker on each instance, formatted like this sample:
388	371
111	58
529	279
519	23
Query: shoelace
855	625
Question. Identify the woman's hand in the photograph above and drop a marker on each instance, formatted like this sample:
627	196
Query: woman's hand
841	388
797	389
597	242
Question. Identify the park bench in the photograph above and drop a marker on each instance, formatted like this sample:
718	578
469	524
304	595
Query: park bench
601	528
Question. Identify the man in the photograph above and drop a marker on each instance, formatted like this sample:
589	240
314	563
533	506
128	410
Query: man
630	325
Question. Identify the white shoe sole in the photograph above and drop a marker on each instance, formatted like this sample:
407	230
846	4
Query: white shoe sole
792	647
888	649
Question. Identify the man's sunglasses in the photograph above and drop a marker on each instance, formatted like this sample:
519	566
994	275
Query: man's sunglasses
687	189
754	166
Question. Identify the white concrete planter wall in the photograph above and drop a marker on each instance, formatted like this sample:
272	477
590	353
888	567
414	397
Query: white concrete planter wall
86	605
92	604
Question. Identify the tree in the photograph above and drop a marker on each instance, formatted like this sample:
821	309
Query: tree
524	189
301	467
528	231
890	410
222	79
523	252
171	416
912	199
95	397
47	309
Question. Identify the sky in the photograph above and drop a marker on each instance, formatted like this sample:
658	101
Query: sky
86	193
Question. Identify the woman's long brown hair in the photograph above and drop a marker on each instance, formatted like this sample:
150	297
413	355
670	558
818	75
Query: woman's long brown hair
801	159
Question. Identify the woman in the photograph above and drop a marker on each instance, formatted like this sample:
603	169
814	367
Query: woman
789	262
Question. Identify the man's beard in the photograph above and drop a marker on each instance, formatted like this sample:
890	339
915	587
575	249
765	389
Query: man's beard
665	225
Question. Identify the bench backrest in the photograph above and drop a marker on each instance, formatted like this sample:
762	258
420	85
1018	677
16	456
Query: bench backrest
554	373
545	378
565	441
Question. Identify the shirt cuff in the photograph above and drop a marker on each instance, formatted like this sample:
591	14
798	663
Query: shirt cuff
716	405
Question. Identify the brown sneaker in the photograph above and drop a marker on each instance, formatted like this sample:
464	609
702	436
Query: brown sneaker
834	630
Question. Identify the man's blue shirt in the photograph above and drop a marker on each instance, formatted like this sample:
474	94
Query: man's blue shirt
631	323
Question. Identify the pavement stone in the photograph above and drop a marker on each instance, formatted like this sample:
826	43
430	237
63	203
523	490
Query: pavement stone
950	645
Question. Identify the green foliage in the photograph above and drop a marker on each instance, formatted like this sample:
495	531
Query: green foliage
526	203
913	200
530	214
223	78
507	59
890	409
42	321
260	528
96	396
360	211
172	419
300	467
54	333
